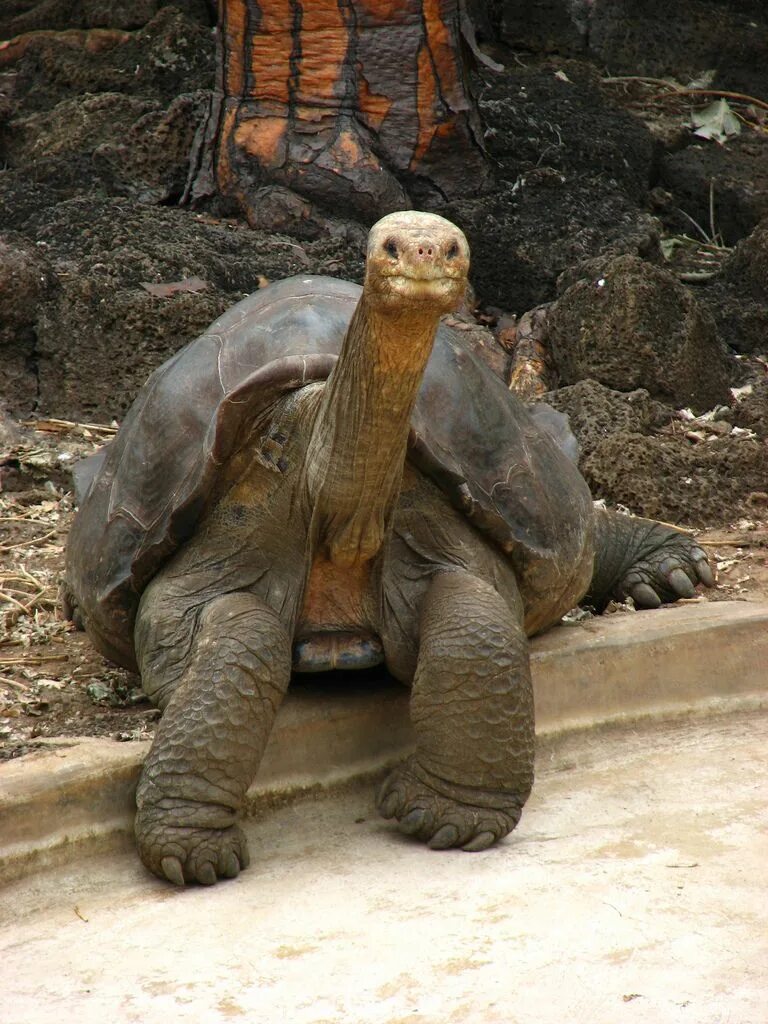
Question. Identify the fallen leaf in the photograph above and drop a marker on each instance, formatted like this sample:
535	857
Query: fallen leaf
717	122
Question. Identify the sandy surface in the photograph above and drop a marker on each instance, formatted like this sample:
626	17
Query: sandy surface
633	890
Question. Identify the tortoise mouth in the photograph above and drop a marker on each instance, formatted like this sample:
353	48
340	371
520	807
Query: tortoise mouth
428	288
424	283
426	275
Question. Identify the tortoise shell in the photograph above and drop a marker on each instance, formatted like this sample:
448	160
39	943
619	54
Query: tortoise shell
494	458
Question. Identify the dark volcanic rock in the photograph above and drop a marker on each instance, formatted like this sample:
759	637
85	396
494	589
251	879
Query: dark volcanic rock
97	344
596	412
556	117
652	37
101	333
25	280
522	243
133	146
543	26
75	125
571	171
738	298
662	478
645	37
634	327
751	412
170	55
19	16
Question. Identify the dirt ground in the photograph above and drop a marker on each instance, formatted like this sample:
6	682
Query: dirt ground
53	683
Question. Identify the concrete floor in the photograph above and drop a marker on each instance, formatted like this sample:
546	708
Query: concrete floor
635	889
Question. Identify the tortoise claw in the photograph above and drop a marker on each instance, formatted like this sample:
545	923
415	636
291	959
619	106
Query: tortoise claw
444	838
441	820
388	804
680	583
704	571
644	596
206	874
414	821
189	854
231	866
172	870
480	842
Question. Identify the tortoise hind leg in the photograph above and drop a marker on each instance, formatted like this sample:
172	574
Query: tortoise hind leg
472	708
648	561
218	713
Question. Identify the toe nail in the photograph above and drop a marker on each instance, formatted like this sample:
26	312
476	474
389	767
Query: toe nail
645	596
206	874
704	570
444	838
171	867
231	866
412	822
481	842
388	805
680	583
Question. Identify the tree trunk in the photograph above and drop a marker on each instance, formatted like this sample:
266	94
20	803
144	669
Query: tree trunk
360	106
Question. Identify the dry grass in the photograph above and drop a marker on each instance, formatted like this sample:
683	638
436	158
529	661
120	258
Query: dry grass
52	682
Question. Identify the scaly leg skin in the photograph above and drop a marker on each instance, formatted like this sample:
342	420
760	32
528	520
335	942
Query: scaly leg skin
647	561
210	739
472	709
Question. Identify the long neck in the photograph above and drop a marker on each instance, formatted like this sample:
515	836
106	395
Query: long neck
358	446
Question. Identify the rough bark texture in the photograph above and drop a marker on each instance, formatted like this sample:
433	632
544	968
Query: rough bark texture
360	105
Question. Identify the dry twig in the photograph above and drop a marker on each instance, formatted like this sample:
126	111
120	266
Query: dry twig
55	426
617	79
15	683
32	542
36	659
722	93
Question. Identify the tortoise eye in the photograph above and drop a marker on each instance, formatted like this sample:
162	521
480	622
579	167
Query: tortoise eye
390	248
453	251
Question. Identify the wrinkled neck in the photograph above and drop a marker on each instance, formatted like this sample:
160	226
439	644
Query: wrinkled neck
358	446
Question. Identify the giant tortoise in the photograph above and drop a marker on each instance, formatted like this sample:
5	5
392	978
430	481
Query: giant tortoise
330	477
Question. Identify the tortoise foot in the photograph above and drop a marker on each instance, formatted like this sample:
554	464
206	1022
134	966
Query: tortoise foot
181	854
444	815
669	572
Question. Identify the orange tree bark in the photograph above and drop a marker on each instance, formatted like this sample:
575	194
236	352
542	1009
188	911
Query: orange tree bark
359	106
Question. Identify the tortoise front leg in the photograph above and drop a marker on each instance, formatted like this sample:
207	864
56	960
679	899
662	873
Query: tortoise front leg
472	708
211	737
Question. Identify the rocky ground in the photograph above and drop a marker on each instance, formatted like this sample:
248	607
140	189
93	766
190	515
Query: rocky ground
620	264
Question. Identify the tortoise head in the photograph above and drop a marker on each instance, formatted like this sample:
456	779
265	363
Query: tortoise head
416	262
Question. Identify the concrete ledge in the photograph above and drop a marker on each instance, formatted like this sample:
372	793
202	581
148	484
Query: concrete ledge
656	663
681	659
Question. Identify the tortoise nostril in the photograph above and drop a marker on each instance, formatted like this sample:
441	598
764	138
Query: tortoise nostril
425	252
